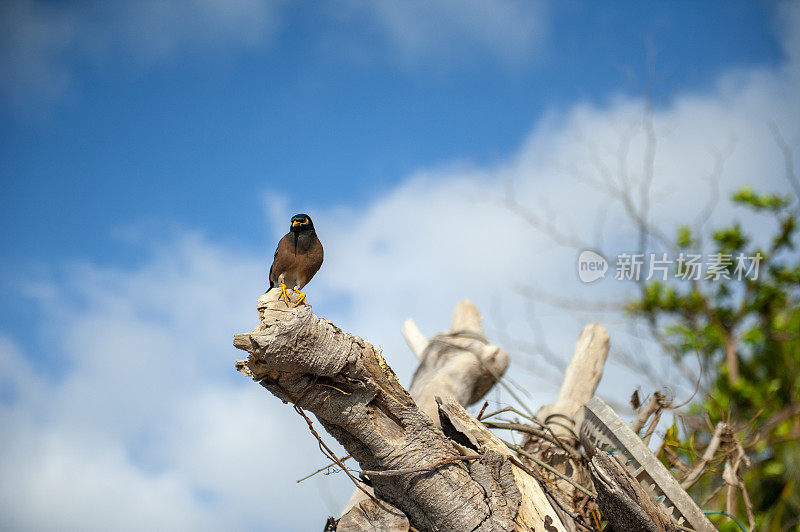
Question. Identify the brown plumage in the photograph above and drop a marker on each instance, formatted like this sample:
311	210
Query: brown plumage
297	258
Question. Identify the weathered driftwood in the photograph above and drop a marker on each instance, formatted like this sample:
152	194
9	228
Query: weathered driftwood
363	513
535	511
603	429
562	418
625	504
460	364
354	394
414	338
654	405
581	379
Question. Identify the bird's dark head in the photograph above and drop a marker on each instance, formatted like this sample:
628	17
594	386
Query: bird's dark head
301	222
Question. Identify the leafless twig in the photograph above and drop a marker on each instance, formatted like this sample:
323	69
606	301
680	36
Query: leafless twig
330	454
546	466
698	469
788	157
321	469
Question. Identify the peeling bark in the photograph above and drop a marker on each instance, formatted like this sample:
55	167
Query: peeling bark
563	417
581	379
623	501
461	364
357	398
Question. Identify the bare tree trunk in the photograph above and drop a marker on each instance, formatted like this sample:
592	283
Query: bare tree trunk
731	357
460	364
626	505
581	379
564	417
354	394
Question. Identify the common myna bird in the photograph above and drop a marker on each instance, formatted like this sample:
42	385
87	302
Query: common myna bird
297	259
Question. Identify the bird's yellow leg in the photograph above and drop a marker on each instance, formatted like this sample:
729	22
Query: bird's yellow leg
284	294
301	299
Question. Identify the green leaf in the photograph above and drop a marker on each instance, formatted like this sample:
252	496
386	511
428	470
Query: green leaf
759	202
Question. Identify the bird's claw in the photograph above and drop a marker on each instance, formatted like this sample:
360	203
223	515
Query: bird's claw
301	299
284	294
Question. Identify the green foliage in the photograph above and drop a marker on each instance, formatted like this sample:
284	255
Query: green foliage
760	202
730	239
685	239
746	332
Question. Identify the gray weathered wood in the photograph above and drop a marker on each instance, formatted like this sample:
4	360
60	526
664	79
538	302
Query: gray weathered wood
603	429
581	379
625	504
357	398
414	337
372	515
460	364
535	511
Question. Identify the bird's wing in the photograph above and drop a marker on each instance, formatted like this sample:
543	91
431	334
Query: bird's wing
308	263
282	260
272	267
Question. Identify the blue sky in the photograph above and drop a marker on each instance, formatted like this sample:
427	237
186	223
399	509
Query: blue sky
326	110
153	153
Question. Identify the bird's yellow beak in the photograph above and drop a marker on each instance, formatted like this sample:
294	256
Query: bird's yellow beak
296	223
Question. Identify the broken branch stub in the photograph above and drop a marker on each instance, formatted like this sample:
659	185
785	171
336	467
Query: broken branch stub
623	501
535	511
581	379
460	364
357	398
603	430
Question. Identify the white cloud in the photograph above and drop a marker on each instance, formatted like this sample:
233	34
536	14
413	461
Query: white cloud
440	237
147	423
511	30
148	426
42	42
73	480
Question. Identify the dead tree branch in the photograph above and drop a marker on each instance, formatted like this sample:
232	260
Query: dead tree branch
357	398
461	364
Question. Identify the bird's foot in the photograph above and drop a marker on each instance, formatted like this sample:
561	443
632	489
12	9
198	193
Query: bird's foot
284	294
301	299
